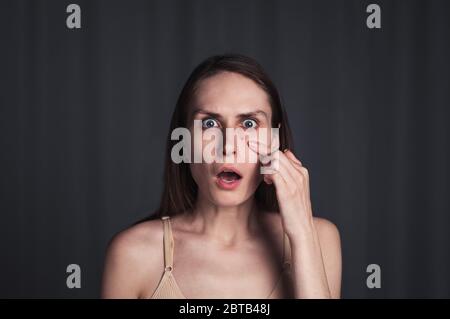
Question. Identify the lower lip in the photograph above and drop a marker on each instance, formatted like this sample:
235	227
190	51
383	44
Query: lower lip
228	186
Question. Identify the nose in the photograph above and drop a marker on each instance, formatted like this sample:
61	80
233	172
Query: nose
229	147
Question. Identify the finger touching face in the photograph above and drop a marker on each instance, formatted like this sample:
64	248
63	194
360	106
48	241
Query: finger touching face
229	100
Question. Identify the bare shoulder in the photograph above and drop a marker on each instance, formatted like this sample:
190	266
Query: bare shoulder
329	237
330	245
136	240
326	229
133	261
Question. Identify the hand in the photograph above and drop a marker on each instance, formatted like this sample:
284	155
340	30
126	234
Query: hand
291	181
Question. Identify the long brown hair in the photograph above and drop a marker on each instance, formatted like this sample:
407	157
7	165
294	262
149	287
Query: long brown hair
180	190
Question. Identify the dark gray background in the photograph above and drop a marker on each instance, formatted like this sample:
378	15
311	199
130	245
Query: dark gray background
84	116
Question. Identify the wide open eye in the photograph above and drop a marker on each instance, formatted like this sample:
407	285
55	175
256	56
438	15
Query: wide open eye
209	122
250	123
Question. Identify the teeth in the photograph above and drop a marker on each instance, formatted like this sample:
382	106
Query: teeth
229	171
229	176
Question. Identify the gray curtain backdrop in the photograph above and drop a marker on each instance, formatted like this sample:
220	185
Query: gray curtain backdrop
85	112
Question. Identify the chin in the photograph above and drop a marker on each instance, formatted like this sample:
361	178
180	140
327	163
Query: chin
229	198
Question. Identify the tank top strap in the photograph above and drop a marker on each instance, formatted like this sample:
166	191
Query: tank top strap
286	251
168	243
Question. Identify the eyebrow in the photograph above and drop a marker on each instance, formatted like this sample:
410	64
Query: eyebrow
241	115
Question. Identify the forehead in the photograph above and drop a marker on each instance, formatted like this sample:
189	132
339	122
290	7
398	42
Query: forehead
230	93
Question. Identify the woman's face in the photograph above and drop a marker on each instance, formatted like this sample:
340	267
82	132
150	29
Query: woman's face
228	100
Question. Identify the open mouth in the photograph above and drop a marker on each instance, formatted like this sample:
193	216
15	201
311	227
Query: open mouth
228	176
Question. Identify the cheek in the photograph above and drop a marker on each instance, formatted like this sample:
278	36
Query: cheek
200	173
207	145
196	148
253	173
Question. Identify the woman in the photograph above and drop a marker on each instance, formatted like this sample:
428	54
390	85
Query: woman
225	230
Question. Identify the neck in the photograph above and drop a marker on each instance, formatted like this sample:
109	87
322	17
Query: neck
227	225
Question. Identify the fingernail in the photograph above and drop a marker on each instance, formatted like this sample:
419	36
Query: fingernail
285	150
295	159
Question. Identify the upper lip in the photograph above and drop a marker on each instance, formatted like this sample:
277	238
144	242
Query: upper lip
228	168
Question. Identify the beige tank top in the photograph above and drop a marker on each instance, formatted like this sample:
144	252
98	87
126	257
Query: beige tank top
168	287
